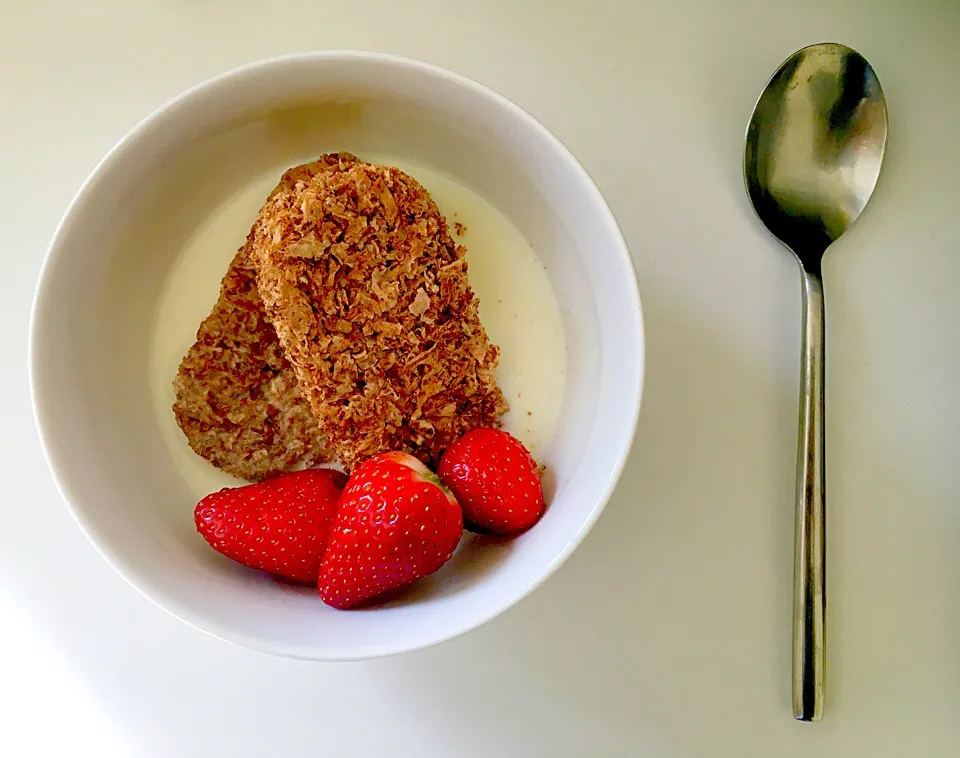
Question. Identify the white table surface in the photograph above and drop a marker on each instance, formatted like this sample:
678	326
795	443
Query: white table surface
668	632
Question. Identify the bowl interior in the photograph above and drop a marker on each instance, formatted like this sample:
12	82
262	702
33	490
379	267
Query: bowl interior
111	268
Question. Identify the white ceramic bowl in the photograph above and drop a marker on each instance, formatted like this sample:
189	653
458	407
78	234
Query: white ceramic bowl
106	270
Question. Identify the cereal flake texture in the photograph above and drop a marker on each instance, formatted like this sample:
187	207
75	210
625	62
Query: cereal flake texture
370	300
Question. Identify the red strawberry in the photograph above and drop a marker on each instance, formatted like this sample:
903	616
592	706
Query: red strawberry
495	480
396	524
279	525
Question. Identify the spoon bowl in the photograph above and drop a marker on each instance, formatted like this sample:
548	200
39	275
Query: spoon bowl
813	152
814	148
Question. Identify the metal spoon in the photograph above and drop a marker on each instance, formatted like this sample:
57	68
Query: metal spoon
813	153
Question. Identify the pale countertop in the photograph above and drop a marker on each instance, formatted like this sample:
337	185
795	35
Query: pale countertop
668	633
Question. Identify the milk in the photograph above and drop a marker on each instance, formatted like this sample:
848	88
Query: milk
517	308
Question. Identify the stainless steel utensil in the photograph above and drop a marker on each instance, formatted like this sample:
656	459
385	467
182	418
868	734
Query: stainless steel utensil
813	152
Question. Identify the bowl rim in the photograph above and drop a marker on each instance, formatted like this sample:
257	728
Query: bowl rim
45	425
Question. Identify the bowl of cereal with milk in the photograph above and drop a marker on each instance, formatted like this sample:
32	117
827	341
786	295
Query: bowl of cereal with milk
337	355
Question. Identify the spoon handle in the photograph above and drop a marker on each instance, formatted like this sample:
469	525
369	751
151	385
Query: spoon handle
809	590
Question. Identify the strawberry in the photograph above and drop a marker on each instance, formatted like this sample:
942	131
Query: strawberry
495	480
279	525
396	524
